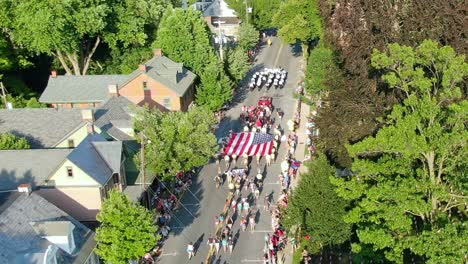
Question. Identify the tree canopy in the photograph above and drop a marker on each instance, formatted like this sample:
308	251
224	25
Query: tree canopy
10	141
261	16
127	230
315	205
215	89
410	177
299	20
178	141
238	63
184	37
71	31
321	69
247	36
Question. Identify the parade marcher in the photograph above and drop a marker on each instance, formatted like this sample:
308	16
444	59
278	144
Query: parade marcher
252	223
227	160
224	243
266	203
230	244
246	206
256	193
190	250
243	223
268	159
210	242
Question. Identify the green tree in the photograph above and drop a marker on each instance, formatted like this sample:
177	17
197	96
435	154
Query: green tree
315	205
127	230
179	141
321	68
10	141
261	11
411	176
247	36
238	63
299	20
71	31
215	88
184	37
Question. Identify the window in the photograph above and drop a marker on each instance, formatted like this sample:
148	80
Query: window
145	86
115	178
71	143
167	103
70	171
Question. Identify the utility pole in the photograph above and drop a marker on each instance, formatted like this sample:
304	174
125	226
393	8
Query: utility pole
3	94
143	167
220	38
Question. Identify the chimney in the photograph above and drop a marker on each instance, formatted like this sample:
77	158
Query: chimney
112	89
53	74
88	116
142	67
25	188
157	52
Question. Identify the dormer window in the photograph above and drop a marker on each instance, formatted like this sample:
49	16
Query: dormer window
70	171
71	143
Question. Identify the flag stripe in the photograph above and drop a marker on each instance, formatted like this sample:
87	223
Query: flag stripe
239	143
248	143
232	143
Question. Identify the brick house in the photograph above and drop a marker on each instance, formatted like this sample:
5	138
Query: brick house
160	82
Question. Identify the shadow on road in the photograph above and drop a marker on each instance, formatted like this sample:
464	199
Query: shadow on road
189	208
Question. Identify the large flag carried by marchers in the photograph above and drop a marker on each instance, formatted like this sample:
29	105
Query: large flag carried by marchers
251	143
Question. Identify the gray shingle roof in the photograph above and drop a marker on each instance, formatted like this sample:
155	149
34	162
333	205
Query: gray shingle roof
43	127
172	74
80	89
219	8
19	243
116	110
111	152
30	165
88	159
94	88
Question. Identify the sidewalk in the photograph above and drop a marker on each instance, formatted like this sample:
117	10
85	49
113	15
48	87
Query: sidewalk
286	256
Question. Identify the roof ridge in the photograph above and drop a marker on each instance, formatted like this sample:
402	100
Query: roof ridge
101	154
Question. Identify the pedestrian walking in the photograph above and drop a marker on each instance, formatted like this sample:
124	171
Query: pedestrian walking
266	203
216	244
252	223
246	206
256	193
227	160
190	250
229	222
210	242
224	243
268	159
216	221
239	207
230	244
243	223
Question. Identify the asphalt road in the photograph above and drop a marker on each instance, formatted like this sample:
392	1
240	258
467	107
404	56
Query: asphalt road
194	221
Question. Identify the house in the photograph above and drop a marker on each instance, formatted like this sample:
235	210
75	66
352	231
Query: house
34	231
219	11
75	180
160	82
45	127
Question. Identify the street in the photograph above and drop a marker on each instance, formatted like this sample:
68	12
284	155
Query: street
194	220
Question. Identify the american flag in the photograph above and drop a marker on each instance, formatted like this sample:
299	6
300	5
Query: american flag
250	143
